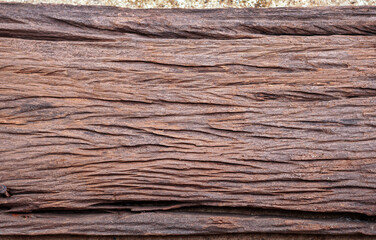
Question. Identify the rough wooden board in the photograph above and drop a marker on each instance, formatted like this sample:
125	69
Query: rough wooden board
173	223
109	24
129	111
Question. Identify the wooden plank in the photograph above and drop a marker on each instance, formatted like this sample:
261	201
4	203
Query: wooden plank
139	117
172	223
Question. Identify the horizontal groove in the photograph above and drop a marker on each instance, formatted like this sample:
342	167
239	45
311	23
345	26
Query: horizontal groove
204	210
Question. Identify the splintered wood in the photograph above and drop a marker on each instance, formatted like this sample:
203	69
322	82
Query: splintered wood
137	122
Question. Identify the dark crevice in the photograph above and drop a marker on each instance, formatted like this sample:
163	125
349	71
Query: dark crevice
29	192
58	36
249	211
217	67
61	36
135	207
143	206
4	208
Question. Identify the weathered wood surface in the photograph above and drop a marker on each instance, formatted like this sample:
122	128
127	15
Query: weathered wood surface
116	121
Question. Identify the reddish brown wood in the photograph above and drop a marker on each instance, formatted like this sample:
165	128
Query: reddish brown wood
118	121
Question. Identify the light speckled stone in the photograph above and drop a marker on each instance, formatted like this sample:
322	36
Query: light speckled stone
206	3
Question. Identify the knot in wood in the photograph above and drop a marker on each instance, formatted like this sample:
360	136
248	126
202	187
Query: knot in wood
4	190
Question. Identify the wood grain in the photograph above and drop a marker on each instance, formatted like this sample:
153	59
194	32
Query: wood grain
134	122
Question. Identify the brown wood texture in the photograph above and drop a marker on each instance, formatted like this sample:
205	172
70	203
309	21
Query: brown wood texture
137	122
